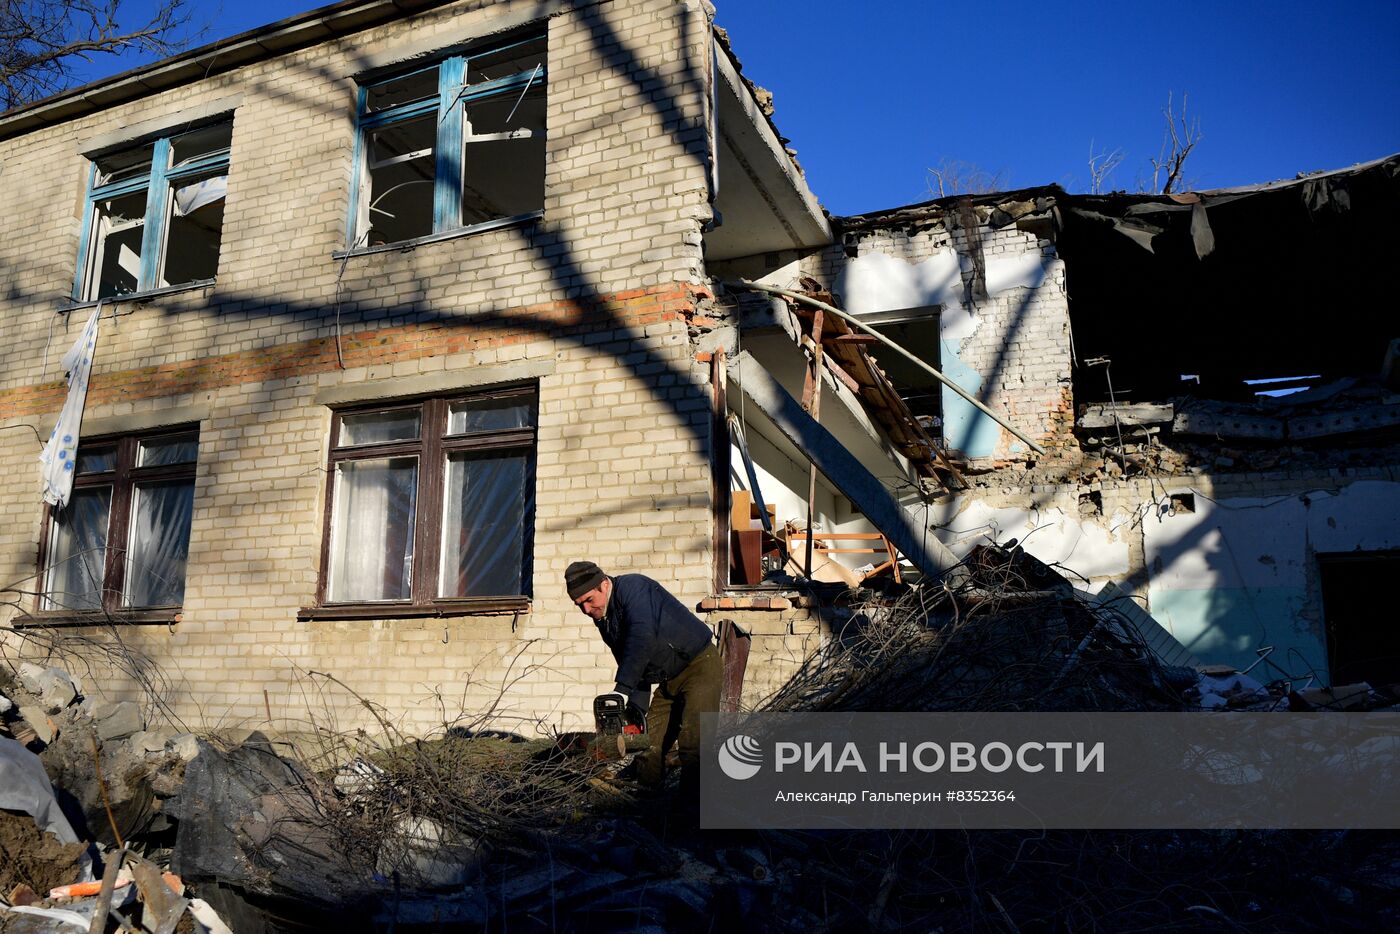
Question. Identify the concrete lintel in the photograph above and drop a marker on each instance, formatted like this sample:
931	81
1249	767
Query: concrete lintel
155	125
433	383
145	420
475	25
1205	422
843	470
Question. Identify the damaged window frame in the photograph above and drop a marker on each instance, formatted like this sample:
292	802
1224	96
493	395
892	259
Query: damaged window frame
432	448
158	183
453	140
124	476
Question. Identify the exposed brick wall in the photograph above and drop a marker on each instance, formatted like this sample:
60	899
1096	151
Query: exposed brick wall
1019	344
595	294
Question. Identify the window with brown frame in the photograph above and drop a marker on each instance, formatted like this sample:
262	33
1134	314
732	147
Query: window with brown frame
431	504
121	543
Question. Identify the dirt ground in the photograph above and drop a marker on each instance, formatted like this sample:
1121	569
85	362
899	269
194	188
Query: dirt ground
34	858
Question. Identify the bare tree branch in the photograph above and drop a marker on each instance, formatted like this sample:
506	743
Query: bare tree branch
1101	166
1178	140
41	40
956	177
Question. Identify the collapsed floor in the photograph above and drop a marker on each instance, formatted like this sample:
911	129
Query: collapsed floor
472	830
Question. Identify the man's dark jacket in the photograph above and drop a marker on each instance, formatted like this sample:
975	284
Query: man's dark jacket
652	635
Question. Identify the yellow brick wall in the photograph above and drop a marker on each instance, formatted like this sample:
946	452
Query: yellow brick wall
592	297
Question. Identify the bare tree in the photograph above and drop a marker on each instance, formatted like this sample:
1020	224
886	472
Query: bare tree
955	177
1101	166
1178	140
42	40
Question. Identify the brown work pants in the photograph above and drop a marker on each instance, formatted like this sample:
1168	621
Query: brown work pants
674	716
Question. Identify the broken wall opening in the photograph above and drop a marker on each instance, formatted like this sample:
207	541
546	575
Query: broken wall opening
918	332
769	474
1239	293
1363	639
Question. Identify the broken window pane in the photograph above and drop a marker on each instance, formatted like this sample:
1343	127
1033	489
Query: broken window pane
401	172
121	223
502	63
491	414
372	530
504	177
185	223
159	543
173	449
124	165
196	230
483	536
418	86
412	187
200	143
78	551
379	427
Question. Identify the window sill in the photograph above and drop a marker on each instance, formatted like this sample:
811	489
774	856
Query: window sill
744	602
167	616
138	297
482	606
402	246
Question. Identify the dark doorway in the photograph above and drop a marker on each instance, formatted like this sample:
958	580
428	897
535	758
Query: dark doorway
1363	630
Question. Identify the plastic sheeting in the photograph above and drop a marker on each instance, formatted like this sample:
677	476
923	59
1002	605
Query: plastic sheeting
25	787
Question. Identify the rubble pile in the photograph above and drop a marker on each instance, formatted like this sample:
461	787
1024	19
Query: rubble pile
1003	632
468	830
78	736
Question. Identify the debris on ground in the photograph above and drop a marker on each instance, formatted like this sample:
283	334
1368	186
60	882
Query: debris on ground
471	829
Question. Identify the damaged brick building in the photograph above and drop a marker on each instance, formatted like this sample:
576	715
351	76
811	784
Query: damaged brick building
1210	380
404	306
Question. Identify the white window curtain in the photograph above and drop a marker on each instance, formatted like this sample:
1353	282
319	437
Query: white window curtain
372	530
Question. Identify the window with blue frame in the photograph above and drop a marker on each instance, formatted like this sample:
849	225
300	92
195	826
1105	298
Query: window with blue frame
456	145
155	214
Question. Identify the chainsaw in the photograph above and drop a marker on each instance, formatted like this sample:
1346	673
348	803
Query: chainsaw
610	719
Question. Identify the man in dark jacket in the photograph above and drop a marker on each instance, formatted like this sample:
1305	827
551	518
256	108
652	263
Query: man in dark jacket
656	641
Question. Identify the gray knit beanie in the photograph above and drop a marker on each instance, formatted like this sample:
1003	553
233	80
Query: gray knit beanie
581	577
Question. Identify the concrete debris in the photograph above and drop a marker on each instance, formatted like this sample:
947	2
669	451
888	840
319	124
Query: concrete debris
40	726
53	686
183	745
118	721
436	858
1234	691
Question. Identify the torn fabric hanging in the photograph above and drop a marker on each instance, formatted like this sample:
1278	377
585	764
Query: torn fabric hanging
60	453
190	198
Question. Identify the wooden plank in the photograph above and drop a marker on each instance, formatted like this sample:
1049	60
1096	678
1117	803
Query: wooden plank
841	468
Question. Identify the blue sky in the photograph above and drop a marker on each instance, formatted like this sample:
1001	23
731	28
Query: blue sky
873	94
